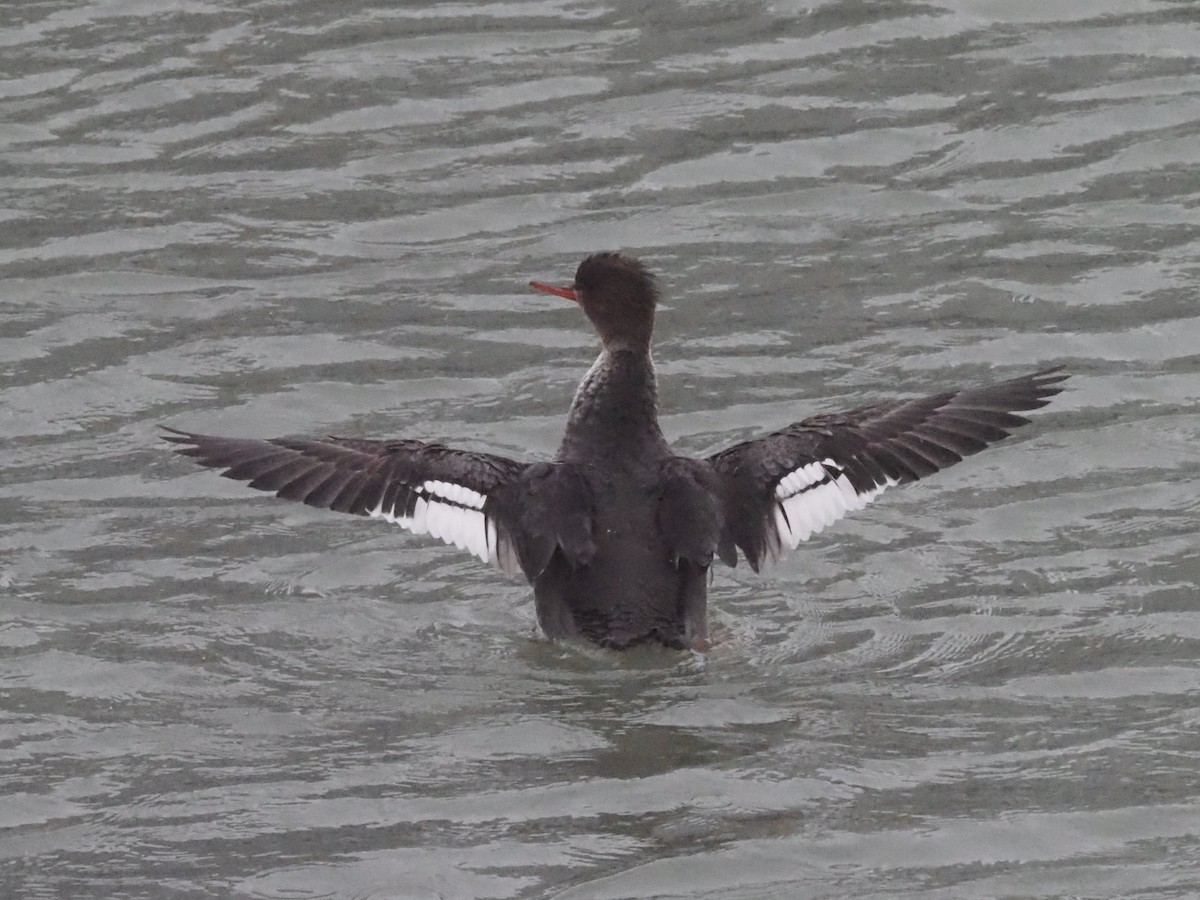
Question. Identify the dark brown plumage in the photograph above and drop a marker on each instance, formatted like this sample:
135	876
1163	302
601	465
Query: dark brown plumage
617	533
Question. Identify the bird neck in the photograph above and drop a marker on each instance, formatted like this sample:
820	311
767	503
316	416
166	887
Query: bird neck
616	405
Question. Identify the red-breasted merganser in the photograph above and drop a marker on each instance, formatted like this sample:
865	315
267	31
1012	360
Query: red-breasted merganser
617	533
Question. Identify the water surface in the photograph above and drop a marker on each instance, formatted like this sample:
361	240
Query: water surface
298	217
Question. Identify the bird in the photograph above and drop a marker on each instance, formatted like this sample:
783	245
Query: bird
617	533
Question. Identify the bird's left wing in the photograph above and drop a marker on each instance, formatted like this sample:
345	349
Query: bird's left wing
426	488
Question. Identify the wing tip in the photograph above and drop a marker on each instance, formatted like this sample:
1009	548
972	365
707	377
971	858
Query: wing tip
176	436
1049	381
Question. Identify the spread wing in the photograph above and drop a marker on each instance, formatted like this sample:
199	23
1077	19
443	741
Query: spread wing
453	495
783	487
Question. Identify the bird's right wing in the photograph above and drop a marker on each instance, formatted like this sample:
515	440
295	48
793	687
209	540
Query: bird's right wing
781	488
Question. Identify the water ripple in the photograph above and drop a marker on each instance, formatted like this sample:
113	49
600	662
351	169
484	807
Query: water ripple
290	217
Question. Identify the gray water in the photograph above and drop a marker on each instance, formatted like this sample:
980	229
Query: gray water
297	217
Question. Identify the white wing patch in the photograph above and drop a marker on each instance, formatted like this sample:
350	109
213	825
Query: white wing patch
450	512
815	496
